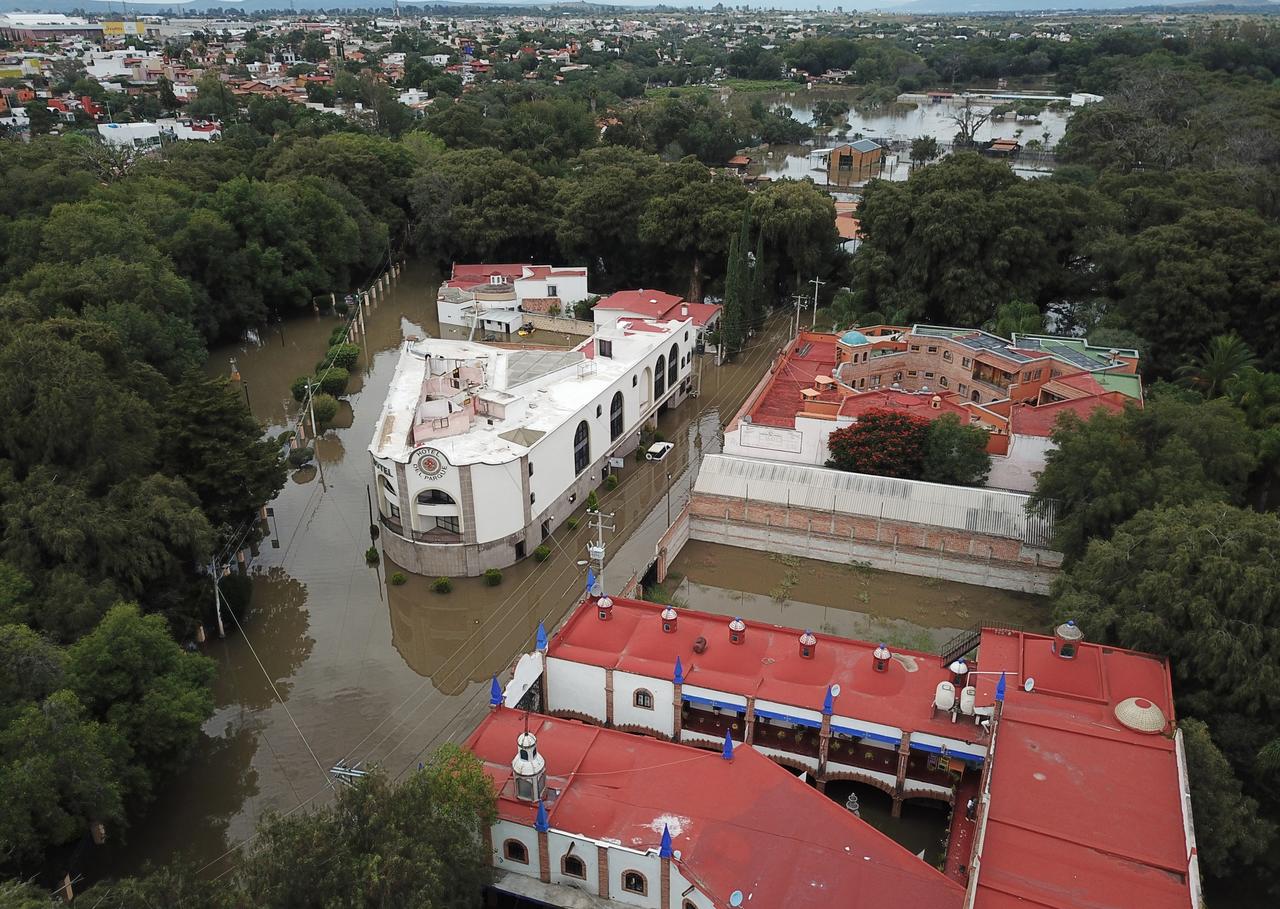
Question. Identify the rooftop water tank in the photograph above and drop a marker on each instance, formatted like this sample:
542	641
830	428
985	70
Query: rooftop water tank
945	697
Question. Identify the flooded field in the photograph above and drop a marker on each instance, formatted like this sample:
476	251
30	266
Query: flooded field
849	600
355	667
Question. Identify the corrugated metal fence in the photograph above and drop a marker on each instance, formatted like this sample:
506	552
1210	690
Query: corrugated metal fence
1000	514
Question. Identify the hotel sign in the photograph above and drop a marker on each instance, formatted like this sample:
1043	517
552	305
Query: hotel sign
429	463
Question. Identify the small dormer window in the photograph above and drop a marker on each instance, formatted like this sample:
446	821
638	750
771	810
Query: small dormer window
495	279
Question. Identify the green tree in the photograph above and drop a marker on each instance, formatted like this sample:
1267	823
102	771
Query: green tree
1106	469
1229	831
417	844
955	453
1223	359
884	443
733	326
214	444
1016	317
130	673
923	150
59	772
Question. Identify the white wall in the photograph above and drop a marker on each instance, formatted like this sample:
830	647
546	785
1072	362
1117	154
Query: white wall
569	288
1017	469
661	718
622	860
558	844
498	493
576	687
502	831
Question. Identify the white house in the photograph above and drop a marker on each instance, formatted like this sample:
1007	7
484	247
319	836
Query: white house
481	452
492	298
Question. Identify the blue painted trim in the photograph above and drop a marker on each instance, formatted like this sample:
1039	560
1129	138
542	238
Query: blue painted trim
799	721
723	705
874	736
935	749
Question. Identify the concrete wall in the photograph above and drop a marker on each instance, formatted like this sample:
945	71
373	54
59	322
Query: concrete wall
916	549
1017	470
560	324
660	719
576	688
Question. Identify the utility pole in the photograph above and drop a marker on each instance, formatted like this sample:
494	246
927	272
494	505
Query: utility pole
668	500
595	551
816	284
217	598
800	304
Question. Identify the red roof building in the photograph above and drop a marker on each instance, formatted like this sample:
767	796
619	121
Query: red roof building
1085	799
652	823
656	305
1077	794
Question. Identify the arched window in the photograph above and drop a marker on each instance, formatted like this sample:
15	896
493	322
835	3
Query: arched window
572	866
673	366
643	699
660	377
516	851
615	417
946	355
942	381
435	497
581	448
389	487
689	904
634	882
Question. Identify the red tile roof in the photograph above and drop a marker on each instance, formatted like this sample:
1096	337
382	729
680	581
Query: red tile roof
745	824
779	401
767	664
656	304
918	404
1083	811
1039	420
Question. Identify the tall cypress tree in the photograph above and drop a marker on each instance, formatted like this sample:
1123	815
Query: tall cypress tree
758	296
732	327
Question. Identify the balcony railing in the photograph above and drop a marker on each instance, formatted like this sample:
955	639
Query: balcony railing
435	535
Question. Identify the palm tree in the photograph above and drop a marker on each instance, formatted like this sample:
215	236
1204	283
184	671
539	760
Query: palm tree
1223	359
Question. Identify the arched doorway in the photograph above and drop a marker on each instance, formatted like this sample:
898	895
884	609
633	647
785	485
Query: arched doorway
660	377
673	366
615	417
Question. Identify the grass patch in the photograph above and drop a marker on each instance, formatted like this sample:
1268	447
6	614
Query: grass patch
761	85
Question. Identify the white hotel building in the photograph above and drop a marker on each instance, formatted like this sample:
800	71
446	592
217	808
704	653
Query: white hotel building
482	451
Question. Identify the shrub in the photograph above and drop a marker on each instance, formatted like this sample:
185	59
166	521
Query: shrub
398	579
572	523
325	408
300	457
442	585
612	482
542	553
493	577
285	437
338	335
593	501
334	381
371	555
344	355
299	387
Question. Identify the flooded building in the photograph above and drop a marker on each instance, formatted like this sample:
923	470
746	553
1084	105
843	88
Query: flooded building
1060	760
481	451
495	299
590	816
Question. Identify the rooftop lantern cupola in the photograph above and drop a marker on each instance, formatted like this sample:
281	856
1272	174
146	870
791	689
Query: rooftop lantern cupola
604	608
1067	638
737	630
881	655
669	620
529	769
808	644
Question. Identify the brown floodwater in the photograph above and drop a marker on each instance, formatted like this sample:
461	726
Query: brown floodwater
335	663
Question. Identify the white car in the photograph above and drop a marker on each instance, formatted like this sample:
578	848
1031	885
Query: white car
658	450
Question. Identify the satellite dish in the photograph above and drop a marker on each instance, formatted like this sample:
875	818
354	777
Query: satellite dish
735	898
1029	684
835	691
